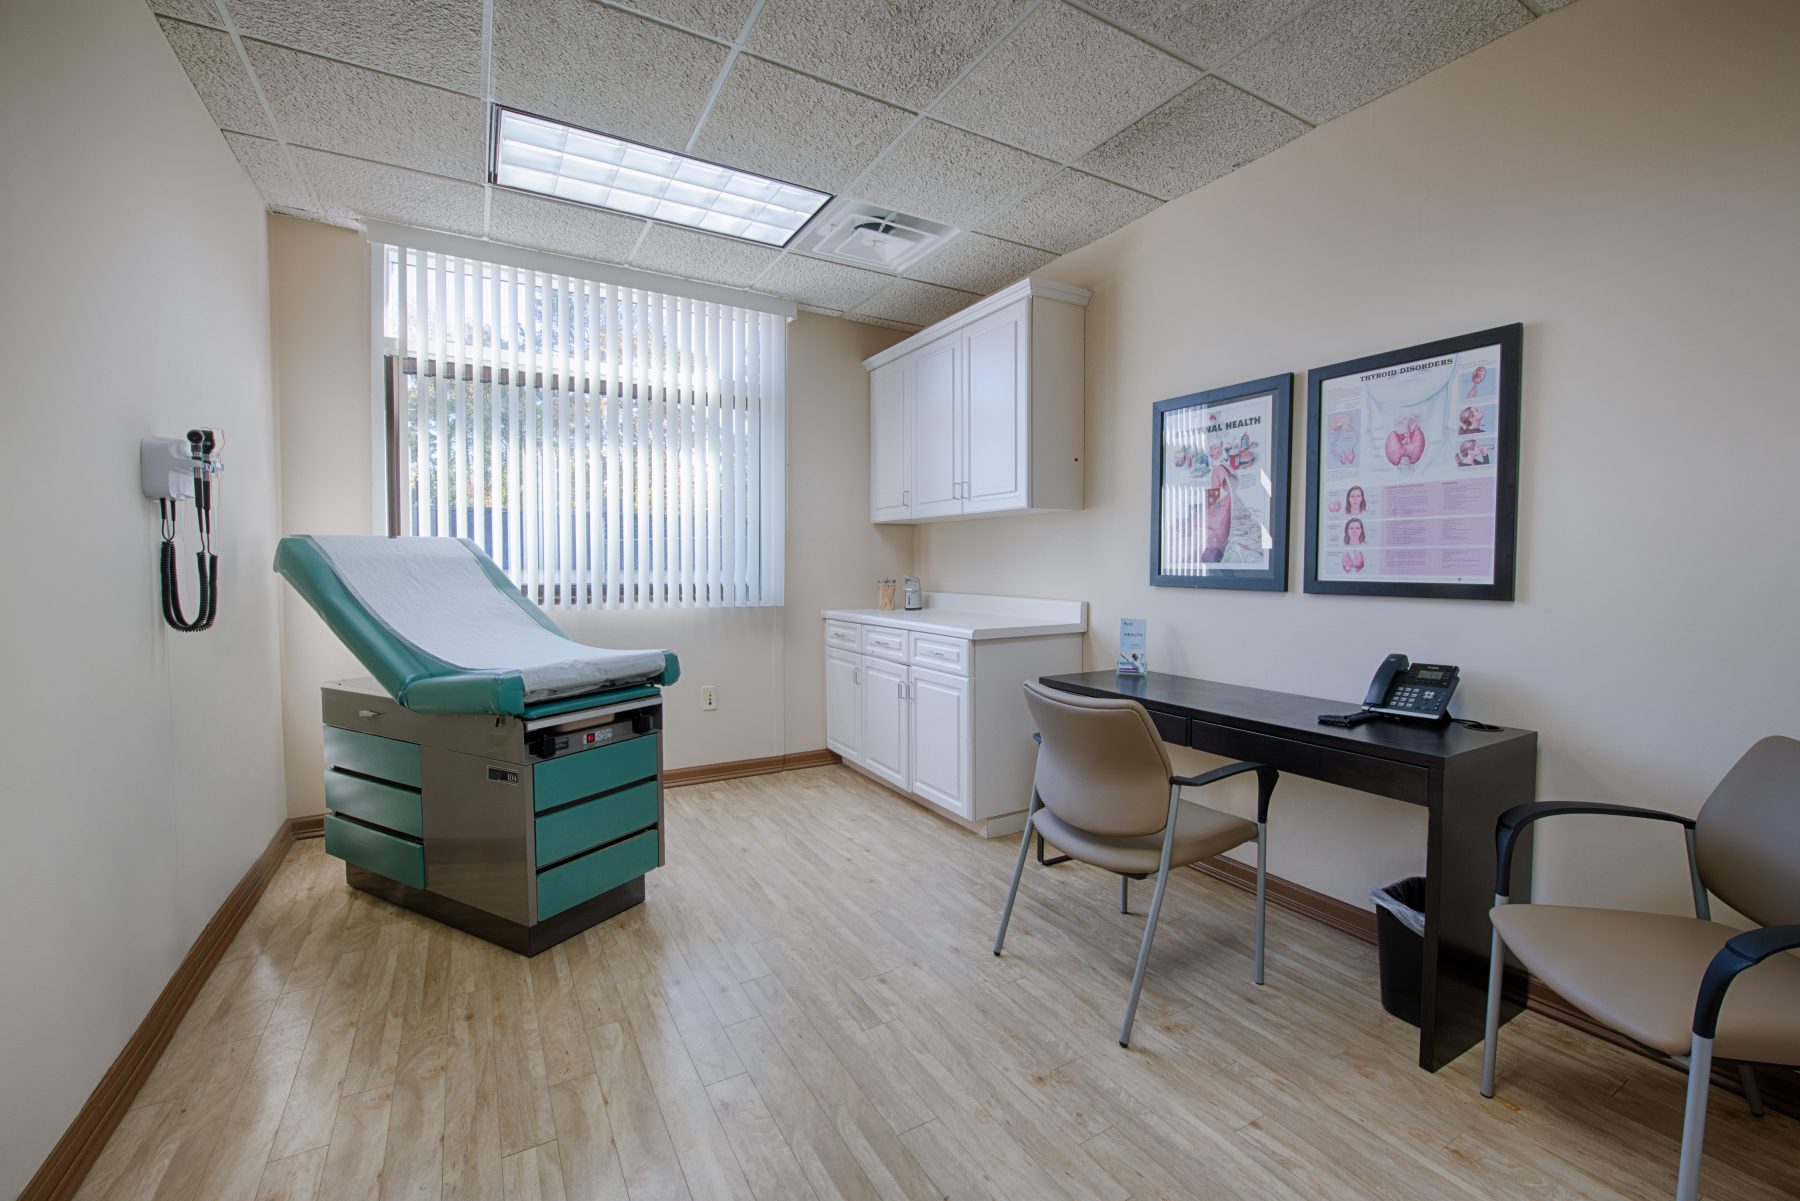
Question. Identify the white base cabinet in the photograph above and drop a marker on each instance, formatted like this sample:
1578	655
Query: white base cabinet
938	717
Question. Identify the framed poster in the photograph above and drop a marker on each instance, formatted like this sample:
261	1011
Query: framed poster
1219	487
1412	470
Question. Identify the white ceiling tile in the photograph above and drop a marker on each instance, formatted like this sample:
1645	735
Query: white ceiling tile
1209	130
815	282
589	65
571	229
1072	211
1062	82
720	18
200	12
268	168
780	123
211	62
1340	56
978	263
350	188
903	53
350	110
917	303
950	175
709	257
1204	31
813	308
910	327
437	42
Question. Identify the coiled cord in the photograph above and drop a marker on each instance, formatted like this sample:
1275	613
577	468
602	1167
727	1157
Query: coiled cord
208	564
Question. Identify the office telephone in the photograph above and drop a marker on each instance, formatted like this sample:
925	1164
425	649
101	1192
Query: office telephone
1402	688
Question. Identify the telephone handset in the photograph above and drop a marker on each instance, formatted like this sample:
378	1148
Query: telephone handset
1402	688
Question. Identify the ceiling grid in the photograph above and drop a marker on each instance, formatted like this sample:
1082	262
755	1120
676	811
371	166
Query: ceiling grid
1034	126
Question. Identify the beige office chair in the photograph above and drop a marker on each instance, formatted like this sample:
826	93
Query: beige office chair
1105	794
1663	981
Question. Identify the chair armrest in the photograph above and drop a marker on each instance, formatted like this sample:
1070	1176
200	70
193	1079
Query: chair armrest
1514	821
1744	951
1266	777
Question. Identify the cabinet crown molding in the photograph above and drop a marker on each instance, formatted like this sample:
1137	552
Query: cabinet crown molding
1029	286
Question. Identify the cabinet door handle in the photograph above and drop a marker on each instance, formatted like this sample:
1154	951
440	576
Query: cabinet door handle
856	675
906	498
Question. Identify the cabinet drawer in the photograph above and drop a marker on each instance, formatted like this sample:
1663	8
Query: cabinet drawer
884	643
559	781
378	804
939	653
371	755
589	824
569	884
384	854
845	635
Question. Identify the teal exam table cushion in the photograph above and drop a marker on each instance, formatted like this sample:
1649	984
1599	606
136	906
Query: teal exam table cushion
438	625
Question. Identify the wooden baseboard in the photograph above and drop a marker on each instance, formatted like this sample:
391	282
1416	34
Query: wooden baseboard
706	773
1780	1086
310	826
70	1160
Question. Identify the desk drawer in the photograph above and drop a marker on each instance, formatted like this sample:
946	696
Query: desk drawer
559	781
1365	773
384	854
939	653
397	809
568	832
1169	727
884	642
569	884
370	755
845	635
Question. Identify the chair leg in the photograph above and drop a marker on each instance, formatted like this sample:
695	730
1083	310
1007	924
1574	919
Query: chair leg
1490	1043
1752	1094
1018	871
1124	894
1262	888
1693	1124
1143	961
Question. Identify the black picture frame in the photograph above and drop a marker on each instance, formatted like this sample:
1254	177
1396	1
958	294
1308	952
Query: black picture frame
1274	459
1505	443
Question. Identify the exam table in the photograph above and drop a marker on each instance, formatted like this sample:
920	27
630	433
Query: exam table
493	773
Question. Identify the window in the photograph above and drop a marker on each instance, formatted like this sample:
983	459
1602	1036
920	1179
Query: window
608	446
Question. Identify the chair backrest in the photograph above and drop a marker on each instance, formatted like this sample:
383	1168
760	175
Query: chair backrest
1748	835
1101	768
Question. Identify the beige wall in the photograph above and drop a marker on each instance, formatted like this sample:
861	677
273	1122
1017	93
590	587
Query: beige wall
143	766
767	664
1624	177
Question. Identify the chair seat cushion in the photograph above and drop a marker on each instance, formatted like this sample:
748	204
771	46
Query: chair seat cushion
1639	973
1200	833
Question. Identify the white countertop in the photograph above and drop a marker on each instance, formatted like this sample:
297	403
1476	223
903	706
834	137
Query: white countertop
965	615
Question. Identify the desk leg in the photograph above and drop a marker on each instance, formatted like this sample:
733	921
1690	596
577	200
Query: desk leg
1465	804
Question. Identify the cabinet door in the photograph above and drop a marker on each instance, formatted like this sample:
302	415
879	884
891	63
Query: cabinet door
882	733
942	724
936	440
843	678
998	436
890	443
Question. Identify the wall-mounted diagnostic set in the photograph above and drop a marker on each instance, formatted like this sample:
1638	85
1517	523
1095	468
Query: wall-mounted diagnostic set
174	470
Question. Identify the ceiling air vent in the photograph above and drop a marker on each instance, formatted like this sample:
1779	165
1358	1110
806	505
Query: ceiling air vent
870	235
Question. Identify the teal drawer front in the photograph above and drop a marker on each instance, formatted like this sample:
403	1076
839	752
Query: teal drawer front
368	755
384	854
565	886
559	781
397	809
593	823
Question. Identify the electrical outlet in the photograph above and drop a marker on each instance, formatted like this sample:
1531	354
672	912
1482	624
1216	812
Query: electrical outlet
709	697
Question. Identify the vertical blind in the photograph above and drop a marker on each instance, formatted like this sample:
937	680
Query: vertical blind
608	446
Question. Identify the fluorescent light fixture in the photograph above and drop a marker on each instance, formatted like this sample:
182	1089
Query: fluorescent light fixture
533	154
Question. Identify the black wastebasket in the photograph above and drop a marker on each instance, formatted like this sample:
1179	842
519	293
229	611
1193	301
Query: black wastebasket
1400	945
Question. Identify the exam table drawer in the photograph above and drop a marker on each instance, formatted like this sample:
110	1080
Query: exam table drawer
938	653
569	884
378	804
384	854
559	781
845	635
371	755
884	643
568	832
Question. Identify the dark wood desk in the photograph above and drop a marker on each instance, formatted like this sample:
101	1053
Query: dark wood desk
1464	778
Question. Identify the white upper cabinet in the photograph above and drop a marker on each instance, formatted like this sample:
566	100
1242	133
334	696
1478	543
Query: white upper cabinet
982	413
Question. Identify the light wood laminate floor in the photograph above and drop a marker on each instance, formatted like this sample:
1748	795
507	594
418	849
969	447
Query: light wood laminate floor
807	1008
